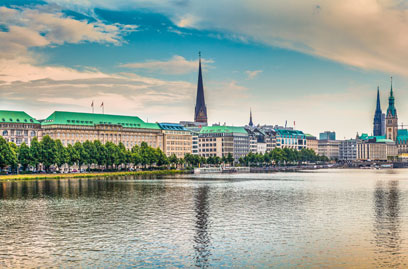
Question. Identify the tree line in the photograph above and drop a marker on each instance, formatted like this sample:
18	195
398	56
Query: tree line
49	153
52	153
283	156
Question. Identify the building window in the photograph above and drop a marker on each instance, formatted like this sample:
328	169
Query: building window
5	133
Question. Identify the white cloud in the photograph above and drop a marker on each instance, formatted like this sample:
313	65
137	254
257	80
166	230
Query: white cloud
46	27
252	73
369	34
175	66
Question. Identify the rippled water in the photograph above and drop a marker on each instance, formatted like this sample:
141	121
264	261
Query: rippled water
328	218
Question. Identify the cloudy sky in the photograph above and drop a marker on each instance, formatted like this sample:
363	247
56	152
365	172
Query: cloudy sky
317	63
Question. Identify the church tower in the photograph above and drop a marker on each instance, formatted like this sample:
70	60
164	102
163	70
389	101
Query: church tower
391	119
200	115
377	130
251	123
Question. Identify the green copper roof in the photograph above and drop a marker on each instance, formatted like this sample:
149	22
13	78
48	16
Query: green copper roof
289	132
402	136
91	119
378	139
8	116
222	129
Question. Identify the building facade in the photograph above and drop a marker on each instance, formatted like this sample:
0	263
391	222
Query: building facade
177	140
312	143
348	150
19	127
391	118
327	135
223	140
329	148
288	138
72	127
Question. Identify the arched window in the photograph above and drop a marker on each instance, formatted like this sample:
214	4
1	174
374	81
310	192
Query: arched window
5	133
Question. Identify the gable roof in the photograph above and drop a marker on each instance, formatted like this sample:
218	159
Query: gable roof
222	129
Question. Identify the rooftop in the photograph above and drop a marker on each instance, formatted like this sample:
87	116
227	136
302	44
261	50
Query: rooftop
222	129
8	116
91	119
172	126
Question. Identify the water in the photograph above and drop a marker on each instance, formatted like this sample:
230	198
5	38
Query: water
326	218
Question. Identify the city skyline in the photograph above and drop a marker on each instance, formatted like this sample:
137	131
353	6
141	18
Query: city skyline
141	59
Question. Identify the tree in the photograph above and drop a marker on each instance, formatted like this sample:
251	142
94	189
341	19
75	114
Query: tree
90	153
173	159
8	156
35	152
161	158
24	156
62	153
73	155
101	153
48	152
83	157
230	159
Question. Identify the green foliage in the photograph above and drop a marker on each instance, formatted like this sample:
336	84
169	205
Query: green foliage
8	155
282	156
24	156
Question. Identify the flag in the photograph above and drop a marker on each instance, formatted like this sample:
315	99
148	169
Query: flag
92	105
102	104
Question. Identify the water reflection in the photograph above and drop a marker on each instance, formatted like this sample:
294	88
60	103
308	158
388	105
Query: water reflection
202	241
387	224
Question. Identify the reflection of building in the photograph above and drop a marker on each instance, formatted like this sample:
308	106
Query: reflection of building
71	127
176	139
387	225
202	242
222	140
329	148
18	127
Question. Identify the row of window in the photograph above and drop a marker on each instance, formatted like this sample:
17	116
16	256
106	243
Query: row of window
18	133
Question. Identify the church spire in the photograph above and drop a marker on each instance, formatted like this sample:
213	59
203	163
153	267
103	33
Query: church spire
378	99
200	114
391	111
250	118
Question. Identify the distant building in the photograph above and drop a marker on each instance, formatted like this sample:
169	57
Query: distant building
375	148
200	113
257	140
222	140
19	127
327	135
177	139
391	118
294	139
312	143
379	118
72	127
348	150
251	123
329	148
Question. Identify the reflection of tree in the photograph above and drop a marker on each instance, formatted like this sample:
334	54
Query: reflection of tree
202	240
387	224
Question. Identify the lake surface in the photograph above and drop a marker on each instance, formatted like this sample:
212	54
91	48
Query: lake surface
325	218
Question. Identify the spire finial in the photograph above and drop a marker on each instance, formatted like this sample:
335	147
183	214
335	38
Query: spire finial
199	55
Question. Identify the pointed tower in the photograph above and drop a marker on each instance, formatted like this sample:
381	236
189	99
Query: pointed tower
391	119
377	130
250	118
200	114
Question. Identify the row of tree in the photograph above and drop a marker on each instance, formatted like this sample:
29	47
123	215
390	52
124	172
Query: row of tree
52	153
280	156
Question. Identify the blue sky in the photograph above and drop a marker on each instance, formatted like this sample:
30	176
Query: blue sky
317	64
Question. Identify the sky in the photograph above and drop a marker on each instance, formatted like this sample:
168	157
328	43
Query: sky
315	64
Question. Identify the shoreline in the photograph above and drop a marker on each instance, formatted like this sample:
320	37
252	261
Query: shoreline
22	177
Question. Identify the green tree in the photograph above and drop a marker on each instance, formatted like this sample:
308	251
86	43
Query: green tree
35	152
48	152
8	156
24	156
62	153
